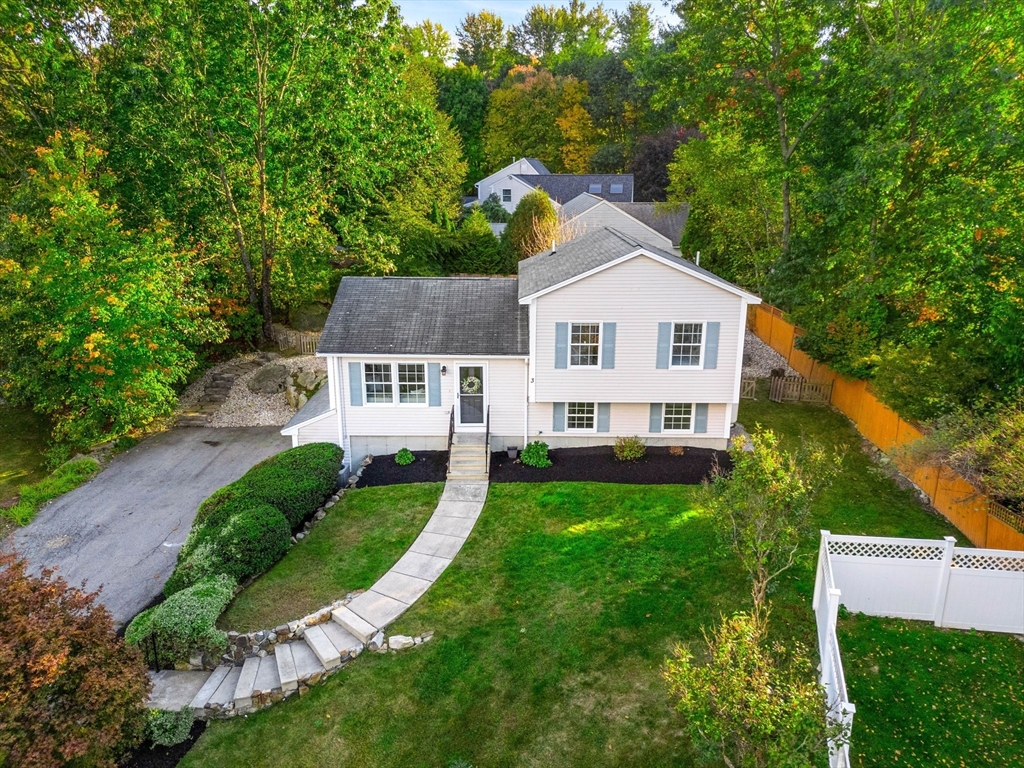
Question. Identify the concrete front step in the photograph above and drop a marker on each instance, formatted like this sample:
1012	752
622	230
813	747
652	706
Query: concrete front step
286	667
474	476
246	683
307	665
213	682
356	625
321	645
224	696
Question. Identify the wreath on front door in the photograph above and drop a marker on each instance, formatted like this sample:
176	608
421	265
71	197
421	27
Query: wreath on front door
471	385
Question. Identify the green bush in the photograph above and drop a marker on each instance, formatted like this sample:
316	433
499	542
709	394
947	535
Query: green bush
66	477
296	481
404	457
169	728
185	621
535	455
246	545
630	448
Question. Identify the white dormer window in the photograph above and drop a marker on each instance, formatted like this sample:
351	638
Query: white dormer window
616	189
595	189
506	195
585	345
687	344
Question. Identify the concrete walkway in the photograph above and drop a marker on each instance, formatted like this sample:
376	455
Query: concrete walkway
122	530
432	552
294	666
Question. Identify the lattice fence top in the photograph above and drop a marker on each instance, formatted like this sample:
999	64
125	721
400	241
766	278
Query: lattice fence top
886	550
1011	563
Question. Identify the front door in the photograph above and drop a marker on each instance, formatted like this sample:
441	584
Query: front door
471	396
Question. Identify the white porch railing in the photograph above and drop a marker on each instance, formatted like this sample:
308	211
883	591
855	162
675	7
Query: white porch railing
923	579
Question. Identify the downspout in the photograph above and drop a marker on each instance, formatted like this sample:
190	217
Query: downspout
526	404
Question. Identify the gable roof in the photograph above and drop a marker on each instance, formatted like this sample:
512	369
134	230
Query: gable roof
427	316
537	165
563	187
318	405
600	248
667	220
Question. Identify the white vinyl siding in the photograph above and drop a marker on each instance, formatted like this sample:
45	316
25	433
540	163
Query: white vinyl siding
322	430
506	393
637	295
628	419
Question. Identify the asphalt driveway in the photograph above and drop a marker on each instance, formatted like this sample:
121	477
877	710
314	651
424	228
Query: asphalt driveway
122	530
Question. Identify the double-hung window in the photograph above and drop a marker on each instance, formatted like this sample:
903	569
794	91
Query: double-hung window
506	195
687	343
584	345
412	383
677	417
378	382
381	380
579	416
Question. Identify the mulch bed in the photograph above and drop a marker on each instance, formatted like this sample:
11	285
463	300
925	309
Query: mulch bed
429	467
149	756
657	467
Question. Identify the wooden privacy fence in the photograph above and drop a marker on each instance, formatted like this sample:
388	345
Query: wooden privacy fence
984	521
304	341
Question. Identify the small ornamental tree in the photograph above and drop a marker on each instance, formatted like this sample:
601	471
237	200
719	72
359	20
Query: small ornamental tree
71	692
763	507
751	704
534	225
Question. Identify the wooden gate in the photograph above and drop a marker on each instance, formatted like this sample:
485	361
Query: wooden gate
795	389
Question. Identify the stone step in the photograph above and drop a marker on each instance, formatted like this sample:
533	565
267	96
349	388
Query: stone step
246	682
209	687
477	476
267	679
358	626
286	667
307	665
224	696
321	645
343	640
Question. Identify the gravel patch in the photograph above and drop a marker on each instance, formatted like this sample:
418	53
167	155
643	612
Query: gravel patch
762	358
193	394
248	409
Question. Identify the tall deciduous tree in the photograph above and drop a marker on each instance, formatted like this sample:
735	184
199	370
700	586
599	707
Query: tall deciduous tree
273	128
483	42
462	94
761	62
99	322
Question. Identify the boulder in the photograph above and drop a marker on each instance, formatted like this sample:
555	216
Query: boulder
268	380
400	642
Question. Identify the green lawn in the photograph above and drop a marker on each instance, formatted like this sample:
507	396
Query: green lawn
351	548
23	437
554	621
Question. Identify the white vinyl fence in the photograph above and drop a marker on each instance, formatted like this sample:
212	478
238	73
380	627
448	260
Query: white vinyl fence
922	579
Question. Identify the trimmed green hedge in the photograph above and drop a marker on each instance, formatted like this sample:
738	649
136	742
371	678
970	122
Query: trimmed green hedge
245	527
185	621
247	544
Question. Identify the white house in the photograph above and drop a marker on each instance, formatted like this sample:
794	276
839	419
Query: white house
528	174
604	336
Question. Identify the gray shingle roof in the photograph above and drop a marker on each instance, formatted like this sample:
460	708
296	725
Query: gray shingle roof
563	187
426	316
317	405
537	165
666	219
590	251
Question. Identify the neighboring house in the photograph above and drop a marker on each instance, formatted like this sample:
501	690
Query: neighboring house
658	224
523	176
602	337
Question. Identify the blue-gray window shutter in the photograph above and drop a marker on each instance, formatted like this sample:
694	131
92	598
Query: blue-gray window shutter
711	344
700	419
604	417
355	383
664	343
561	345
558	417
434	384
655	425
608	346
